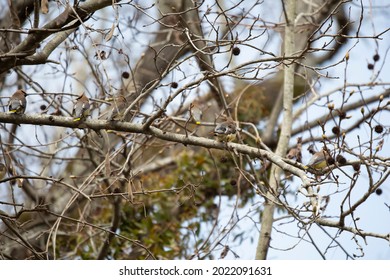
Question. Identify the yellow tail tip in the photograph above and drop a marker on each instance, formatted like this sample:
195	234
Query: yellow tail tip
76	119
198	123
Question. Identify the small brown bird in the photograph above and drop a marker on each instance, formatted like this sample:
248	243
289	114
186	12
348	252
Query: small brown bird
118	108
81	108
296	153
3	171
17	103
226	131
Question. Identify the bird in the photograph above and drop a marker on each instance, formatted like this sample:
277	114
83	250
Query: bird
81	108
296	153
3	171
118	108
226	131
196	112
319	160
17	102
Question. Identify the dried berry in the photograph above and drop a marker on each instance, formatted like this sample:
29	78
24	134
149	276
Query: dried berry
370	66
43	107
233	182
378	129
330	160
342	115
125	75
341	160
356	166
236	51
376	57
378	191
336	130
174	85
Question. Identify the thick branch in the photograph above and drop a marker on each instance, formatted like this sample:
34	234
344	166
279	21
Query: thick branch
168	136
281	150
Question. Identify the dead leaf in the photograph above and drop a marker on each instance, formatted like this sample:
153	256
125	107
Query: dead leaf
44	6
224	252
111	33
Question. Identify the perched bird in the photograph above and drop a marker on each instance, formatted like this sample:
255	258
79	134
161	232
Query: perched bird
196	112
17	103
319	160
296	153
3	171
81	108
226	131
118	108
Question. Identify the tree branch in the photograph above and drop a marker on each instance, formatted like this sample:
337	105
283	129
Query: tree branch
281	150
97	125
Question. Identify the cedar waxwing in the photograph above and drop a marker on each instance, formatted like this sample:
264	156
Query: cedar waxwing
118	108
196	112
3	171
17	103
226	131
296	153
81	108
319	160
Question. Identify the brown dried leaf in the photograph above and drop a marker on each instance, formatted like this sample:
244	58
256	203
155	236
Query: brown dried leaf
111	33
45	6
224	252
